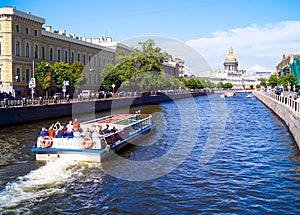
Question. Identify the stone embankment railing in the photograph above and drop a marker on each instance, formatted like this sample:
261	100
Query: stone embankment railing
286	107
6	103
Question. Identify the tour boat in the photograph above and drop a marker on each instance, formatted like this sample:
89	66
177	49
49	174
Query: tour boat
99	145
249	96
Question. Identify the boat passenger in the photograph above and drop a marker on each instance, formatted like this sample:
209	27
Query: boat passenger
76	125
51	131
100	130
113	130
56	125
59	132
65	131
76	133
88	133
106	130
70	129
43	132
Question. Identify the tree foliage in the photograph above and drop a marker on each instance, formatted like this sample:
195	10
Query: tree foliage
288	79
273	81
140	70
56	74
263	82
43	75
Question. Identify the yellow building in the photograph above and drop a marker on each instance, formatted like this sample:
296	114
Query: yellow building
24	43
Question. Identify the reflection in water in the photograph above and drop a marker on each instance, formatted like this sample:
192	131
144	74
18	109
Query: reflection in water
255	169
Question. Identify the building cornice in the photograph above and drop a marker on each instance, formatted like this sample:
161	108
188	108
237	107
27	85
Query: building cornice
74	40
13	12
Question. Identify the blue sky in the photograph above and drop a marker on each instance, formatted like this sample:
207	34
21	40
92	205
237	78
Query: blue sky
210	27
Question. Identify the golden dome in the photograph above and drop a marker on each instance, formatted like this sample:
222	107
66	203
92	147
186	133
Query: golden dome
230	56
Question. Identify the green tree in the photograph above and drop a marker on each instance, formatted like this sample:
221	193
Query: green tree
288	79
76	74
228	85
251	87
263	82
62	73
273	81
146	59
258	86
220	85
43	76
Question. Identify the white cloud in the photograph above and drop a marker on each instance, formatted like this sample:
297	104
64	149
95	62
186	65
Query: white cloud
258	68
259	47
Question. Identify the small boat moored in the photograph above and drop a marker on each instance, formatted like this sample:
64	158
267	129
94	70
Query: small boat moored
99	144
249	96
227	94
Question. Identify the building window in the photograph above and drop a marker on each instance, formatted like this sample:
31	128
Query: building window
17	48
95	61
18	75
103	62
84	59
27	75
17	28
43	53
89	60
90	79
78	57
51	54
35	33
36	51
58	55
27	50
27	31
66	56
99	62
72	57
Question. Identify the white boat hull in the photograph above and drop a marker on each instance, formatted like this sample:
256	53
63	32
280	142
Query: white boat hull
78	148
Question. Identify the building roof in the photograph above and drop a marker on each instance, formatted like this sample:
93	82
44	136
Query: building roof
230	56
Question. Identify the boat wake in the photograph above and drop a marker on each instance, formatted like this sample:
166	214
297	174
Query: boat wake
37	185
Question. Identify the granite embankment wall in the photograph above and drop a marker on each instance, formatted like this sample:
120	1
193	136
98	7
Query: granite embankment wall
16	115
286	108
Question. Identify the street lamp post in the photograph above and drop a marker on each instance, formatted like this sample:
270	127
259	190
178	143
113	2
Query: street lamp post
33	80
113	86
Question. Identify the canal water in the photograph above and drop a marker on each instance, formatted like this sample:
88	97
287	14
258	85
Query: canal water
205	155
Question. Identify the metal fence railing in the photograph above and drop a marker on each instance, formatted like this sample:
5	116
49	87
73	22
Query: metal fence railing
8	103
289	101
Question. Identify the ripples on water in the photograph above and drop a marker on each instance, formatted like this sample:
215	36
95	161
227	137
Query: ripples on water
255	169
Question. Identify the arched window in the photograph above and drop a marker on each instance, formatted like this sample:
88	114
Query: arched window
66	56
27	50
72	57
17	48
43	53
51	54
36	51
89	60
84	59
78	57
58	55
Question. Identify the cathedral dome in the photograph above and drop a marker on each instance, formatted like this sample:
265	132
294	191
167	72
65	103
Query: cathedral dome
230	56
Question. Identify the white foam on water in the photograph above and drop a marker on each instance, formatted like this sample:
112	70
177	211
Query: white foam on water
38	184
